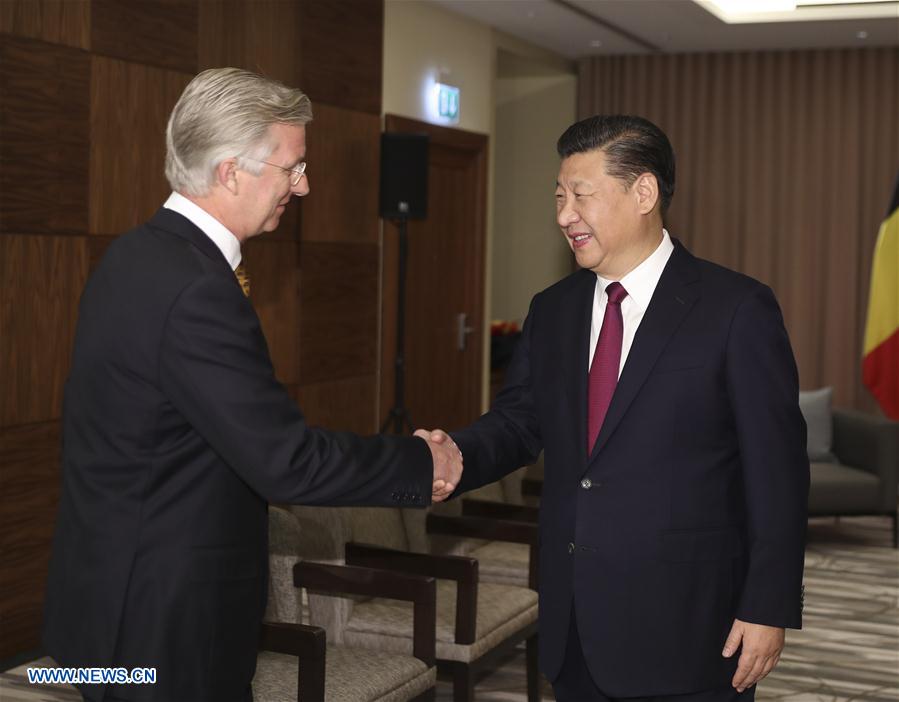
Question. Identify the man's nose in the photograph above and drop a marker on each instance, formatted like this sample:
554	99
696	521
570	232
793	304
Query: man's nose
567	214
302	188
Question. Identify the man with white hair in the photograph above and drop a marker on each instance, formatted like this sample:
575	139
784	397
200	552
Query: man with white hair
176	435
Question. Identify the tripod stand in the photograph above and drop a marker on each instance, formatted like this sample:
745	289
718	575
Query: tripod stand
399	418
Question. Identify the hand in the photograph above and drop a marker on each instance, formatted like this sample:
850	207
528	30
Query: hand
762	646
447	462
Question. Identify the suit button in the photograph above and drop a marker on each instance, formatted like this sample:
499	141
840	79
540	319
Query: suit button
570	548
586	483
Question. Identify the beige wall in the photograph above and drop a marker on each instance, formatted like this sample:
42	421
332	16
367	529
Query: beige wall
528	252
424	43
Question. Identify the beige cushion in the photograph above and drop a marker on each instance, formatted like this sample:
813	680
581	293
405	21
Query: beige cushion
285	602
350	676
323	531
379	526
420	541
386	624
503	562
492	492
512	487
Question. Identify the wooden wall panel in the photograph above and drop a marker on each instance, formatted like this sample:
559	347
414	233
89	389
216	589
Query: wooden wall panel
130	105
29	483
341	405
43	137
341	58
259	35
274	290
42	280
338	312
154	32
55	21
343	153
86	87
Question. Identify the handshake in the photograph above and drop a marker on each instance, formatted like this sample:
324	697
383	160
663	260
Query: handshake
447	462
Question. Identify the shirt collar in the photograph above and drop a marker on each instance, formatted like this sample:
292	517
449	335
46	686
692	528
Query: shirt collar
221	236
641	282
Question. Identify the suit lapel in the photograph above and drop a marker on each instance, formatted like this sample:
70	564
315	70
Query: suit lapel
673	298
580	309
171	221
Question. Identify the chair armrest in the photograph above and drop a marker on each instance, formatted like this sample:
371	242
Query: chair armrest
499	510
307	643
375	582
869	443
463	570
494	530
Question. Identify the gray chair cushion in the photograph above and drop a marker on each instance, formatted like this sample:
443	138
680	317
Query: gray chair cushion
379	526
351	675
816	409
385	624
838	489
502	562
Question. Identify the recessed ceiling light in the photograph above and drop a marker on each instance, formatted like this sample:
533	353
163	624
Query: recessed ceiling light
862	34
742	6
596	43
755	11
837	2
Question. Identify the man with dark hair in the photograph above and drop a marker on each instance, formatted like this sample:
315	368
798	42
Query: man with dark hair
663	391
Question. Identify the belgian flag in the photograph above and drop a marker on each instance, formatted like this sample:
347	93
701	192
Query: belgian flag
880	363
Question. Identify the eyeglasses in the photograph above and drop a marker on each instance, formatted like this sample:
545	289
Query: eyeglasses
295	173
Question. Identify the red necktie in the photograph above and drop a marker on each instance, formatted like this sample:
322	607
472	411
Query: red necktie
606	359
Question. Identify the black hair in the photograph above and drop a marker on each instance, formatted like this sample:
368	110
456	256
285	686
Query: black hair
632	145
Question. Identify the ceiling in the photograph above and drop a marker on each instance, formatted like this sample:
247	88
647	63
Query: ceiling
577	28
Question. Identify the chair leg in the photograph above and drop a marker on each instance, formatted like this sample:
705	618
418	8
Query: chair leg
533	672
463	683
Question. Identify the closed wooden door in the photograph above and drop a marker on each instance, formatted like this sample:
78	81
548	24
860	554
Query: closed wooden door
444	285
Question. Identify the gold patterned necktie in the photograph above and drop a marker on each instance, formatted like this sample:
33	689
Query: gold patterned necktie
243	278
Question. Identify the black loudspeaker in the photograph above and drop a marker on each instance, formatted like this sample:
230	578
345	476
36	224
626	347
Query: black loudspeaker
404	176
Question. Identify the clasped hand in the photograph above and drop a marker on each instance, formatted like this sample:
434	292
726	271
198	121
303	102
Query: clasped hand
447	462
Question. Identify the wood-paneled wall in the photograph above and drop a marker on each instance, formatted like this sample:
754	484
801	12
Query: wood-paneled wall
87	86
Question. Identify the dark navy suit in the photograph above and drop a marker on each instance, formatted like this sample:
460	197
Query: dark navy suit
176	436
691	510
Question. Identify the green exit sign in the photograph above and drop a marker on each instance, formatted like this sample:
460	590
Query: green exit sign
448	102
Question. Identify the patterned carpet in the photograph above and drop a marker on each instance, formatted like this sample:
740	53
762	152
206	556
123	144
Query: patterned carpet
849	646
848	650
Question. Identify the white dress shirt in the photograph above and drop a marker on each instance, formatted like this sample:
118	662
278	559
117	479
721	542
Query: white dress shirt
221	236
640	284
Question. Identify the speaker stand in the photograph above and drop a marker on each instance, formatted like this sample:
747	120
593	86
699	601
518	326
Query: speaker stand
398	419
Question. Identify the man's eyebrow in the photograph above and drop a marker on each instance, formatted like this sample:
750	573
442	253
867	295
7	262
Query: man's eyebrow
574	183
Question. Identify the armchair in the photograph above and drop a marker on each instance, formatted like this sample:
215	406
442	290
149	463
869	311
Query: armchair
863	479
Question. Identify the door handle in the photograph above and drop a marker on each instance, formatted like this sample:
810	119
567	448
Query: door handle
462	331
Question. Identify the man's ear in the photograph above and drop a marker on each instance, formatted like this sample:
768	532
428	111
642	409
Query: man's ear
226	174
646	192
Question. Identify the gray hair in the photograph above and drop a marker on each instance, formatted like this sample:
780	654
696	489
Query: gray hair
223	113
